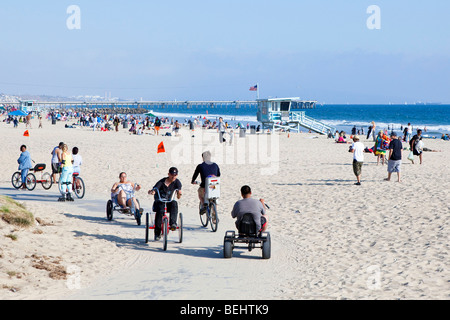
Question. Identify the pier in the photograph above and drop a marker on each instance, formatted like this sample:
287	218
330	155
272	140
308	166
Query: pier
173	106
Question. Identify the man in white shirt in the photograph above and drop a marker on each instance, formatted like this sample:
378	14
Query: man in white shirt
358	158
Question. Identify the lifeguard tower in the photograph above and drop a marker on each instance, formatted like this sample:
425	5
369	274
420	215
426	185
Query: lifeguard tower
27	106
288	114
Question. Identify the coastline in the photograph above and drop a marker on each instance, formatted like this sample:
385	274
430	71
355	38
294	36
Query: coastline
329	237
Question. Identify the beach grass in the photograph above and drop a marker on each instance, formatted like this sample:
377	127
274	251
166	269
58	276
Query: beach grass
15	213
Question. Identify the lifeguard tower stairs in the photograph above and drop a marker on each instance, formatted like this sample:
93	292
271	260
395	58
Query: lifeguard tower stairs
288	114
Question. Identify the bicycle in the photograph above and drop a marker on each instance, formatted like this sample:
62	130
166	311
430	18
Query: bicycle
165	222
78	187
31	181
208	210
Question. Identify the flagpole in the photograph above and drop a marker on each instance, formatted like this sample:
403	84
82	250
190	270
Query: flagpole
257	90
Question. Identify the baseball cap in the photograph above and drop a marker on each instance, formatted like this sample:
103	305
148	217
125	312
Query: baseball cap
393	134
173	170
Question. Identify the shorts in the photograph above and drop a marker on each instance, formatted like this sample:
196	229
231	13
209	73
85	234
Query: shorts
263	222
201	194
394	165
357	166
56	168
128	197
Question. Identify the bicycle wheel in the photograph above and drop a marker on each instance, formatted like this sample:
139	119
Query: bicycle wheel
203	217
16	180
60	187
147	226
180	227
31	182
213	216
78	187
47	181
165	232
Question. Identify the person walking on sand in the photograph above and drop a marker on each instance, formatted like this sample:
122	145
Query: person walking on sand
409	133
415	145
395	157
28	121
358	158
222	129
380	150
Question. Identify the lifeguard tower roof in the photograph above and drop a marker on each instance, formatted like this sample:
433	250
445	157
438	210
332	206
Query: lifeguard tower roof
288	114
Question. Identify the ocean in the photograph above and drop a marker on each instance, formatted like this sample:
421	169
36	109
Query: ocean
435	118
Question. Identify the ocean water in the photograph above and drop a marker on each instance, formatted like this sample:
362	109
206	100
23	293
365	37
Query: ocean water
435	118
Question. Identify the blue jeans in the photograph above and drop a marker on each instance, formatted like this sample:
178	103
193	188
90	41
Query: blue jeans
66	177
24	174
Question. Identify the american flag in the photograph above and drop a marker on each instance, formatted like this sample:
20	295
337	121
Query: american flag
254	88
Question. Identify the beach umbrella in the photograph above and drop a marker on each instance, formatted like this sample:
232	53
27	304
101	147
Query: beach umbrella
2	108
150	115
18	113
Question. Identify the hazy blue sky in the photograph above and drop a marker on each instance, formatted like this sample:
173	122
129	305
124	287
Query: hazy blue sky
217	49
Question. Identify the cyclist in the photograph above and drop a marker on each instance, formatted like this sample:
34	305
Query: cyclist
166	187
249	205
205	169
123	193
77	160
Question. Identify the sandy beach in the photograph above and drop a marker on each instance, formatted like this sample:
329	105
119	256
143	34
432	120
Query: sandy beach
330	238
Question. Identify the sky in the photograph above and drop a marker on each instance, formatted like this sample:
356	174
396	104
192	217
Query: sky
216	50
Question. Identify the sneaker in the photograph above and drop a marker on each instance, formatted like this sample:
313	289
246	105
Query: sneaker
173	227
358	184
157	238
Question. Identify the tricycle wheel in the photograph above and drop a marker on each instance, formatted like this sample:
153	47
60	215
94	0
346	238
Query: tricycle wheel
165	232
31	182
47	181
266	247
109	210
16	180
227	249
180	228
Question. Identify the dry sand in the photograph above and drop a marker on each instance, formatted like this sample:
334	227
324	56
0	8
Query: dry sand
330	238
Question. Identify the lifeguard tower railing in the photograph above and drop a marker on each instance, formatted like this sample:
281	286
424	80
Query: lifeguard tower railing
287	114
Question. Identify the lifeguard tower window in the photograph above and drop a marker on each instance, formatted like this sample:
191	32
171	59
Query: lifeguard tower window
285	106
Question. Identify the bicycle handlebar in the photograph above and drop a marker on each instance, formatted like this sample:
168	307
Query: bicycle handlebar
163	199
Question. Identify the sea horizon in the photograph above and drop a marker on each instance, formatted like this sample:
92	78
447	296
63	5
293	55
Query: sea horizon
433	119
